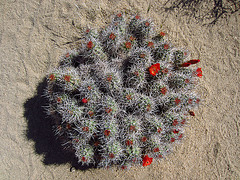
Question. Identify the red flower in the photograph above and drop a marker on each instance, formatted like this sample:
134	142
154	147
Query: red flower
190	101
160	156
154	69
67	78
52	77
199	72
108	110
156	149
112	36
84	159
180	136
162	34
194	61
96	144
119	15
144	139
137	17
187	81
172	139
90	45
150	44
163	90
175	122
84	100
70	112
159	130
177	101
186	64
88	30
123	167
76	140
111	155
175	131
142	55
86	129
183	121
147	160
197	101
128	142
134	160
191	113
59	127
107	132
109	78
147	24
148	107
90	113
132	128
68	126
132	38
59	100
166	46
165	71
67	55
128	45
128	97
136	73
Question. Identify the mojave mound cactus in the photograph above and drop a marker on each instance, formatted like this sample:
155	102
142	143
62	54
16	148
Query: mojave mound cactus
123	97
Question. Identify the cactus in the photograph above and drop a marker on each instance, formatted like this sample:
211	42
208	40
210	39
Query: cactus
124	96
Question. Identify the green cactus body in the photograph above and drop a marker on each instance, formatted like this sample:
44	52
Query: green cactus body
124	96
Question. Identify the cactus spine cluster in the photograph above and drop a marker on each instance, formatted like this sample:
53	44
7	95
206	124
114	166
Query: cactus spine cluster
123	97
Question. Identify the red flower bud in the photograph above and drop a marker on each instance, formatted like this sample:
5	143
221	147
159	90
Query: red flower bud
144	139
111	155
107	132
150	44
67	78
162	34
128	45
90	45
137	17
191	113
128	142
172	139
175	131
186	64
119	15
166	46
163	90
194	61
112	36
84	100
52	77
175	122
84	159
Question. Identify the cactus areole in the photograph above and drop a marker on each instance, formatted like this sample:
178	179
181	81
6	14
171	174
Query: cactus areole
123	97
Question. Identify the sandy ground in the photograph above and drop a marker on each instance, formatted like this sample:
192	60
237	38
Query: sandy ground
33	34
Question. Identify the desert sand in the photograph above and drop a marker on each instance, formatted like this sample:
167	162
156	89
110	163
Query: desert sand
34	34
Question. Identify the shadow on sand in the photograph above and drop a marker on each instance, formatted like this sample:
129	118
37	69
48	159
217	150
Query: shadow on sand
206	11
40	131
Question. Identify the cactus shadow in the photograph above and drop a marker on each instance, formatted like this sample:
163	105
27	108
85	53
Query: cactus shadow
39	130
209	14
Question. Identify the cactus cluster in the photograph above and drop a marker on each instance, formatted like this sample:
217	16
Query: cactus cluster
124	96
